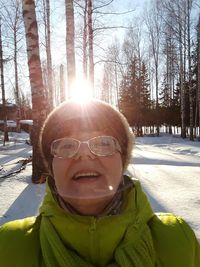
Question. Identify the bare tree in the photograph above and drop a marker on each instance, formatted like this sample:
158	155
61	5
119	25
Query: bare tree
113	72
106	94
90	37
47	26
3	88
71	66
170	74
62	84
93	14
154	25
188	16
12	15
175	19
198	70
39	104
85	41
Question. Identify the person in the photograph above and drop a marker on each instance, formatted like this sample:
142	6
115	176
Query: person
92	213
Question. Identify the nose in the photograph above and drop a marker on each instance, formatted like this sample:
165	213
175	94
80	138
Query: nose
84	152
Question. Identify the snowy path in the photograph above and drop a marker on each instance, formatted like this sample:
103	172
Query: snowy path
170	175
19	197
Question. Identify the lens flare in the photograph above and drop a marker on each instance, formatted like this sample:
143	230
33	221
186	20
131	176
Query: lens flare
81	91
110	187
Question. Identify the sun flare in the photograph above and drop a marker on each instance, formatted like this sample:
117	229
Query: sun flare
81	91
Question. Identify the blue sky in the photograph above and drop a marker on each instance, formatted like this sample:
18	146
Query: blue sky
112	20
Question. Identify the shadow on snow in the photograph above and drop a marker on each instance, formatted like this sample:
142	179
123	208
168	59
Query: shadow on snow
26	204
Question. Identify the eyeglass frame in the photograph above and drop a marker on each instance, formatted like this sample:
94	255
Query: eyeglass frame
117	146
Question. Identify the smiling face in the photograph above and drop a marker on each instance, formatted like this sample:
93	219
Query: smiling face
86	181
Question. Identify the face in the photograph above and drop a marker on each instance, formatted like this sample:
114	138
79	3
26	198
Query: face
88	182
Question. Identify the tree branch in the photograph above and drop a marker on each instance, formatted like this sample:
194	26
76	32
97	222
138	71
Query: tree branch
115	13
107	4
112	27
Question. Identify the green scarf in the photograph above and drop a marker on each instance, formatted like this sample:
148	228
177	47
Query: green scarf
69	240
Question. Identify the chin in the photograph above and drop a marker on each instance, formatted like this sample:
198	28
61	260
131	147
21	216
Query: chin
90	206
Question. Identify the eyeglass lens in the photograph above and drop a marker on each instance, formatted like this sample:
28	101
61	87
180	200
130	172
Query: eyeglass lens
68	147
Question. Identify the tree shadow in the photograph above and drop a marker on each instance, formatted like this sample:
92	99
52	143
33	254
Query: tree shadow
15	153
155	204
26	204
163	162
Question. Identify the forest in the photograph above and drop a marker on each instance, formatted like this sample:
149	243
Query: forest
142	57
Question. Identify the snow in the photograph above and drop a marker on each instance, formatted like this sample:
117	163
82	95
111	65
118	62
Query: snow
167	166
10	123
28	122
169	170
18	196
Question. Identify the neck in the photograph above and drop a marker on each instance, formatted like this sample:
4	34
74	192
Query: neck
88	207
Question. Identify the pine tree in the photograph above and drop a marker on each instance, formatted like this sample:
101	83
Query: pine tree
135	100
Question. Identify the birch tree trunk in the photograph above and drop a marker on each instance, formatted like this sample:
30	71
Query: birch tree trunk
6	139
90	36
85	28
16	26
181	75
71	66
39	105
190	71
62	84
48	53
198	71
17	97
116	85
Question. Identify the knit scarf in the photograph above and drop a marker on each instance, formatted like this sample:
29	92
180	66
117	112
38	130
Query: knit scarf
69	240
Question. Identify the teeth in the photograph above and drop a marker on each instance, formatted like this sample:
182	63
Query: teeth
92	174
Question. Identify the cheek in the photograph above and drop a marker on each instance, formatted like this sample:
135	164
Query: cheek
59	168
114	167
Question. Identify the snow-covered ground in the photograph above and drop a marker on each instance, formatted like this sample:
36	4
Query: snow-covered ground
19	197
168	168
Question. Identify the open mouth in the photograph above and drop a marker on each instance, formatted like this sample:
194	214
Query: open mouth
86	175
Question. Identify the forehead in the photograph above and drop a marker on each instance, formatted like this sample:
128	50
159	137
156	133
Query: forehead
104	124
70	127
85	135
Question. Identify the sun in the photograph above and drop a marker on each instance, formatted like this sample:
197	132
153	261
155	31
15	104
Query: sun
81	91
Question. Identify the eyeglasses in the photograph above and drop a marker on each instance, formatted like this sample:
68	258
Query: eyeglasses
100	146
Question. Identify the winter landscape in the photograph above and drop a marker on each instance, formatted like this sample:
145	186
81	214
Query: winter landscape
142	57
167	166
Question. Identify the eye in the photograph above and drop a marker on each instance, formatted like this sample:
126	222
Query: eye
68	146
104	143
